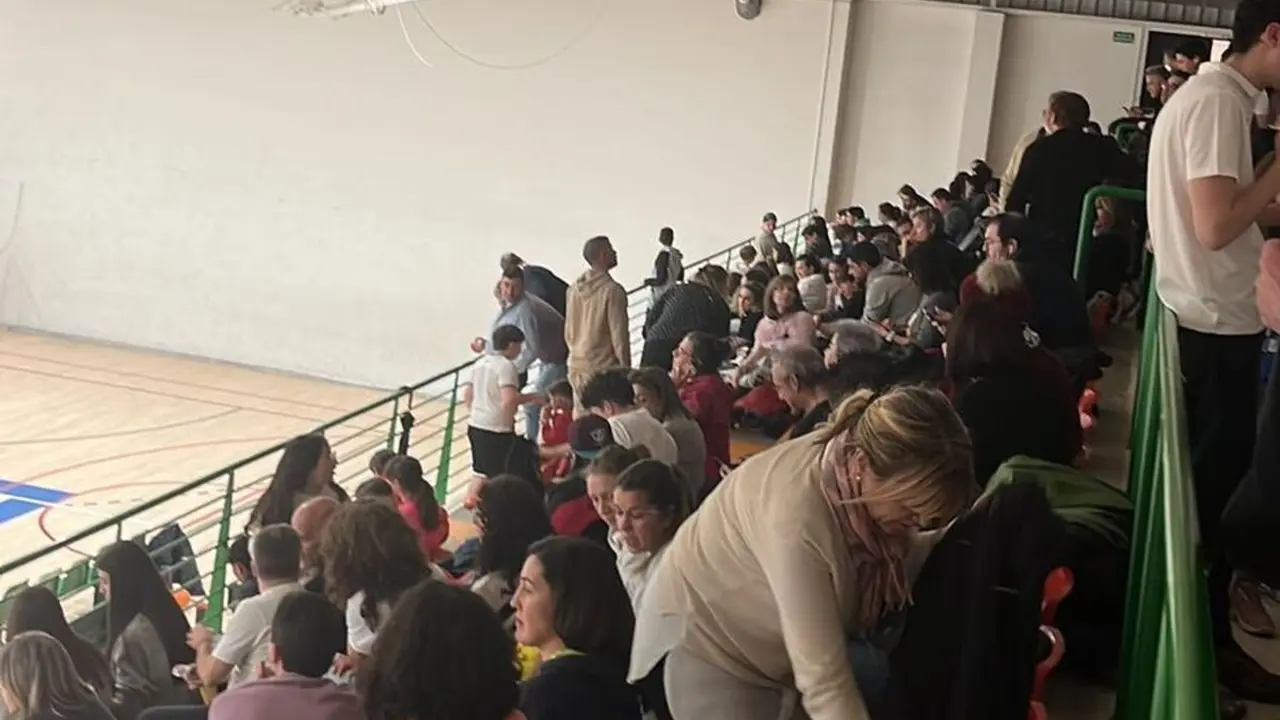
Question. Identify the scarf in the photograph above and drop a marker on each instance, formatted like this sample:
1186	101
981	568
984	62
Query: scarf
878	553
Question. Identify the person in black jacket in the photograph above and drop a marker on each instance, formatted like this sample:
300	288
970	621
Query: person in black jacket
540	282
972	633
1058	310
572	607
1060	168
694	306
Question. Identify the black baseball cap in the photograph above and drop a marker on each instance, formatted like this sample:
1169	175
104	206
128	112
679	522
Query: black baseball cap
589	435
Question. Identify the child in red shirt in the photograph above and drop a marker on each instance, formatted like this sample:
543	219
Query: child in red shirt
416	501
553	433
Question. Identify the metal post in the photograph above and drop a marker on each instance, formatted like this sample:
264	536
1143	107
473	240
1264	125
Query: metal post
391	427
218	586
446	446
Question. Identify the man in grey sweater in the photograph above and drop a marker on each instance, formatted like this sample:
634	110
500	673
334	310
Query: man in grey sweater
891	295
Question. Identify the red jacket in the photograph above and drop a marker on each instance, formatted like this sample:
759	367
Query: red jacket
710	401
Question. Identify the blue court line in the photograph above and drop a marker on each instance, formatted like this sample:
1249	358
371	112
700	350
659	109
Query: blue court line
22	499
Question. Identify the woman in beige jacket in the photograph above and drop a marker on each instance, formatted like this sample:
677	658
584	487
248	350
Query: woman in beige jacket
804	545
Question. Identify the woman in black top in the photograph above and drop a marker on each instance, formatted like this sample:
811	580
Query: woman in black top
572	607
749	307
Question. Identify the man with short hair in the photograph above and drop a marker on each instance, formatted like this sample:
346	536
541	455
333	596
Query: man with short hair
1059	313
891	297
310	520
539	282
955	217
277	558
542	358
1204	205
307	632
610	395
766	241
1189	54
596	327
1060	168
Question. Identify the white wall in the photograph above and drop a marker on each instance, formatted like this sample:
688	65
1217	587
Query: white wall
904	94
1041	54
216	179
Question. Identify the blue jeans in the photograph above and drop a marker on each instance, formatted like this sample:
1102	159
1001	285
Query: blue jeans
541	377
871	672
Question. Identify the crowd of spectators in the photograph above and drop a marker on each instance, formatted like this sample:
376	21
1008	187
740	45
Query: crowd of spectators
921	376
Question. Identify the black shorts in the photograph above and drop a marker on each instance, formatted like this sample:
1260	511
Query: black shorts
490	450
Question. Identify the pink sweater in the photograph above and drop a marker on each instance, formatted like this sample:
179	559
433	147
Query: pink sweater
796	328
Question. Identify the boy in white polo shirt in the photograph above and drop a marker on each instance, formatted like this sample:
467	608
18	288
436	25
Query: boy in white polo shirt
1205	205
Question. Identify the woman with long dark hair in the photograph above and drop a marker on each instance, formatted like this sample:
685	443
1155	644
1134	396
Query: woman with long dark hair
416	501
37	609
511	517
146	631
573	608
305	471
656	393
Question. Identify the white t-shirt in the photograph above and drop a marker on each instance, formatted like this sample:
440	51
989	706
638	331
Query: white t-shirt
1203	132
638	427
243	644
360	636
490	374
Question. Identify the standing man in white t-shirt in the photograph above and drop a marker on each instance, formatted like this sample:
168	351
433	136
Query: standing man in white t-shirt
494	397
1205	205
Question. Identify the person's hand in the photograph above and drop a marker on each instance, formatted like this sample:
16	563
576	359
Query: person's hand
942	316
199	637
540	399
478	345
192	678
473	493
343	665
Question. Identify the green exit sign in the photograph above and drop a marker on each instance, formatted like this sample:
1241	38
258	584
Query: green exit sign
1122	36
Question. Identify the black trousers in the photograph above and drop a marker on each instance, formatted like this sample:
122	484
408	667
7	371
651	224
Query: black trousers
1251	523
1220	383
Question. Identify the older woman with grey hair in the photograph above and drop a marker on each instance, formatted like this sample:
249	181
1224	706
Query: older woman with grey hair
38	680
800	377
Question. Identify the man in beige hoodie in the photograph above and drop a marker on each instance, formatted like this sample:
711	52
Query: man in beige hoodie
595	323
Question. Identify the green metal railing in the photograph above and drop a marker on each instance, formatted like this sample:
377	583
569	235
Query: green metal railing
1167	658
426	418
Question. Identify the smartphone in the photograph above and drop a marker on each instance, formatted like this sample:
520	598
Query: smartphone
182	671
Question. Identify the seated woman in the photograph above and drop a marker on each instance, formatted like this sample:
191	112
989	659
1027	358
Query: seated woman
305	471
602	480
371	557
785	323
930	267
800	377
443	654
656	393
416	502
510	517
38	681
650	504
695	370
36	609
1014	396
572	606
803	546
146	632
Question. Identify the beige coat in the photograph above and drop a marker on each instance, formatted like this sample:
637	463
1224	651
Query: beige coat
760	584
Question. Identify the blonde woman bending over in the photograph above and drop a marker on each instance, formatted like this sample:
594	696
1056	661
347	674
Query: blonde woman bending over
801	548
39	682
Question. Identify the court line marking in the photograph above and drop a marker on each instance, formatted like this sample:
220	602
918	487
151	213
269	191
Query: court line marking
158	393
122	433
184	383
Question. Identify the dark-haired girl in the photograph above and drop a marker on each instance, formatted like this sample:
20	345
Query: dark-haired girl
695	369
416	501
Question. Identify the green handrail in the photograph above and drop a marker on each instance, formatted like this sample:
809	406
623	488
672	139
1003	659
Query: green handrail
1167	661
